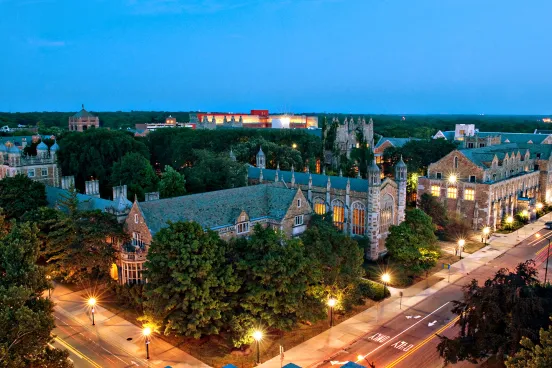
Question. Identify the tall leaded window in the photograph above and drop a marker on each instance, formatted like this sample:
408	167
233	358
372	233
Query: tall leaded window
435	190
359	218
319	206
338	210
386	213
452	192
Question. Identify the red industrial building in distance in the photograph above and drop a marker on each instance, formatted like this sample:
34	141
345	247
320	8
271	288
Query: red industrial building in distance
254	119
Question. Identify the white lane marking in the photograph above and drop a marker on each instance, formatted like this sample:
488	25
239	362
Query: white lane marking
430	324
402	345
403	331
415	317
377	337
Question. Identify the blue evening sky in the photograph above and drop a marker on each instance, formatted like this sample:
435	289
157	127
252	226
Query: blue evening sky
350	56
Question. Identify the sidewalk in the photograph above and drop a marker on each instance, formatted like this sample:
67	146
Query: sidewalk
332	341
115	331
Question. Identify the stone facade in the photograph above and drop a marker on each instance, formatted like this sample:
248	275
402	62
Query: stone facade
83	120
42	167
359	207
349	132
484	185
231	213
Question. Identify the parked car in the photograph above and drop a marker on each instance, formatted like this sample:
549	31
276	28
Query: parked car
548	225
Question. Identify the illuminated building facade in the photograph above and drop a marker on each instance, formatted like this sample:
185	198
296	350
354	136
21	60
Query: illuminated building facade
254	119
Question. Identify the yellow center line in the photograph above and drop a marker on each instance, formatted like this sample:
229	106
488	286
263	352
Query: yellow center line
401	358
542	249
76	351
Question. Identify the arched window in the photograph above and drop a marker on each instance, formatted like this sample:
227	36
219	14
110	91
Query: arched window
386	214
456	162
319	206
359	218
338	210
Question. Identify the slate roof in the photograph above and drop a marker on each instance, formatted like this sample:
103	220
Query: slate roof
18	140
219	208
83	114
396	142
536	138
337	182
86	202
484	156
542	131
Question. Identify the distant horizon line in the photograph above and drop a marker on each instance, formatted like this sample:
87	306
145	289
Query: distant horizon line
279	113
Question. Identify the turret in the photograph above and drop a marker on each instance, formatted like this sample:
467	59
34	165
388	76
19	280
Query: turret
232	155
261	159
400	171
42	150
373	174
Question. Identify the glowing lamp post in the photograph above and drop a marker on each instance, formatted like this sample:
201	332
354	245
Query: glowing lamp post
539	206
331	303
385	278
92	304
461	243
258	336
486	232
147	332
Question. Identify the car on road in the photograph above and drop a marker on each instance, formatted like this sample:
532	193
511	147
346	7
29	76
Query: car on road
548	225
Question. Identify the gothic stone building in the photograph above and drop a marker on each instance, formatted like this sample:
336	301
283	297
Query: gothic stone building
487	184
42	167
360	207
230	213
83	120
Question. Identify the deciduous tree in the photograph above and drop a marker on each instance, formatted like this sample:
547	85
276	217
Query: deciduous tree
533	355
135	171
19	194
172	183
215	172
495	316
189	280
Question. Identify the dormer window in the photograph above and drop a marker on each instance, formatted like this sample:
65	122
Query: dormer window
242	228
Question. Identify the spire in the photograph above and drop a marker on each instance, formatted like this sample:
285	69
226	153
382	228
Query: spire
328	184
292	170
278	166
401	163
324	170
232	155
358	173
308	170
340	173
82	106
261	175
348	187
310	180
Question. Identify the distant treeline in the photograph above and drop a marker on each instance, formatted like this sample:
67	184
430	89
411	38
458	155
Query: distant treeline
420	126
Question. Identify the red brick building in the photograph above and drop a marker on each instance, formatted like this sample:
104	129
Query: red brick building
83	120
484	185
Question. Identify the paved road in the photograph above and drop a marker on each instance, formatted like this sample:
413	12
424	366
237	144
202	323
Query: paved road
86	350
409	340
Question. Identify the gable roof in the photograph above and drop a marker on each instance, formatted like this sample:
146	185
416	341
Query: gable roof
337	182
484	156
448	135
86	202
83	114
219	208
396	142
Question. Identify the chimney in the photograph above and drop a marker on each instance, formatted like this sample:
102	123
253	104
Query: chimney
153	196
119	191
67	182
92	188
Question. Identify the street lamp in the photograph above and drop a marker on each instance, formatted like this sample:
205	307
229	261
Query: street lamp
461	243
486	231
48	277
539	206
258	336
385	278
294	145
331	303
146	332
92	304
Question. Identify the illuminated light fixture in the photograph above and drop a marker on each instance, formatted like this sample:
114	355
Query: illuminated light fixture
539	206
385	277
452	179
510	220
332	302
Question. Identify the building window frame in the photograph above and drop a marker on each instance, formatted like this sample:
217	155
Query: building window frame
135	218
452	192
31	173
435	190
319	206
338	214
473	178
44	171
358	217
469	194
439	175
299	220
242	227
298	202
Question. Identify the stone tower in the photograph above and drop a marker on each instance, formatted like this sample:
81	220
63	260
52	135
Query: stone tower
400	179
261	159
373	209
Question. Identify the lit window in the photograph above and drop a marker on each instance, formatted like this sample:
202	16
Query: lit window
44	172
451	192
299	203
435	190
469	194
135	219
319	206
298	220
359	218
31	173
338	214
137	240
242	227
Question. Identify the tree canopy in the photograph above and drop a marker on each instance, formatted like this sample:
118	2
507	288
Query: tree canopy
189	280
214	172
533	355
91	154
413	242
172	183
495	316
19	194
135	171
26	320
